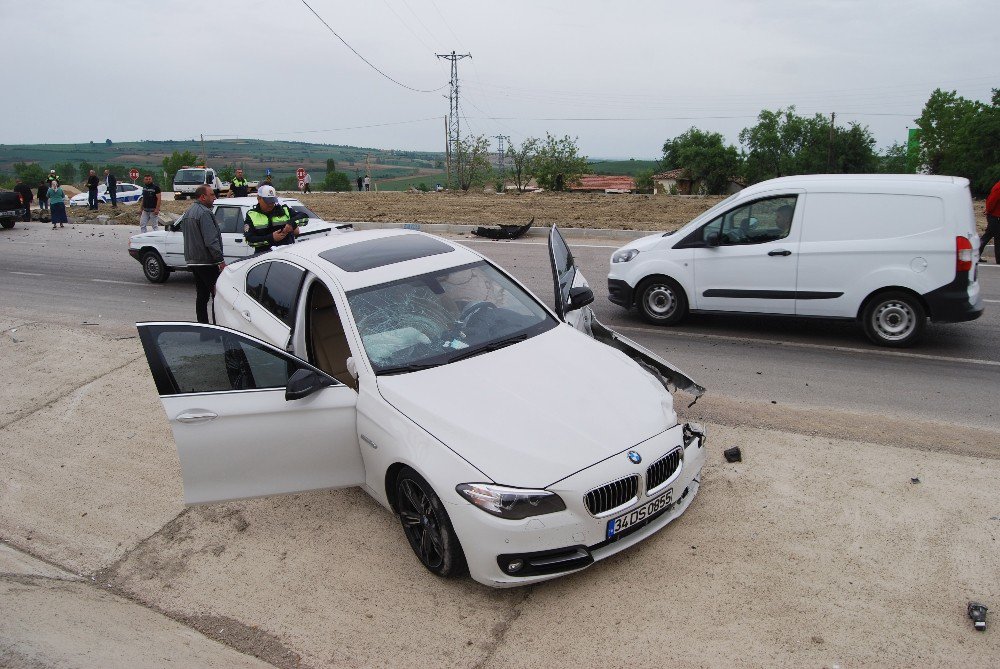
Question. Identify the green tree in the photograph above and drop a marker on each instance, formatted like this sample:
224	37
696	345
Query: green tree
522	161
337	181
30	173
176	161
644	181
472	162
894	160
703	156
85	168
960	137
66	171
558	163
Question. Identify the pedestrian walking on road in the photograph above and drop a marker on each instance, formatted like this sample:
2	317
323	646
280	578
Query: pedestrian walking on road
92	184
368	184
24	190
43	195
992	224
203	249
151	196
57	203
111	182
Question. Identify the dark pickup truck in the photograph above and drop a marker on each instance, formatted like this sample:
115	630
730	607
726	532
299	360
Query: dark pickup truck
11	209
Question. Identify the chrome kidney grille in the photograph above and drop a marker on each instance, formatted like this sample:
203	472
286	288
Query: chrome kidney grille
661	471
611	497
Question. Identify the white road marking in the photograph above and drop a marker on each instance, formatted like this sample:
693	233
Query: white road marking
823	347
992	301
26	273
127	283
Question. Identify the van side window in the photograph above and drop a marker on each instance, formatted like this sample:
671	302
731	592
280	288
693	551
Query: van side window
758	222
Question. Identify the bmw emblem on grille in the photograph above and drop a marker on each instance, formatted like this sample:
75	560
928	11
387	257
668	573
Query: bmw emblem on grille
634	457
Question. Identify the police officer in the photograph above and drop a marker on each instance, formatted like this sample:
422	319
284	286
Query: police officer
270	224
239	186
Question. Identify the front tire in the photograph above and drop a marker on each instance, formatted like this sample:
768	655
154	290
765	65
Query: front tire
154	268
662	301
894	319
426	525
7	223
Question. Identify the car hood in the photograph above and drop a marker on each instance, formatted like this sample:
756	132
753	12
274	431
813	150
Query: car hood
536	412
154	235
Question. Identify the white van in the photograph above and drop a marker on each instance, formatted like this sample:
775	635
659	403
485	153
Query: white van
888	250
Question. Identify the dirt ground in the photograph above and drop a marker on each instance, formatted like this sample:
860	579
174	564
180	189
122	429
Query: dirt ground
567	210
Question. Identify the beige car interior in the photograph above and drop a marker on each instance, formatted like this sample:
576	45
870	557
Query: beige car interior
328	347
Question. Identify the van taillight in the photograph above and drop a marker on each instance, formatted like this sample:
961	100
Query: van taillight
963	254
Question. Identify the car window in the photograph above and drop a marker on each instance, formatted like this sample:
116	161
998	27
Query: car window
298	208
275	285
230	219
224	362
758	222
436	318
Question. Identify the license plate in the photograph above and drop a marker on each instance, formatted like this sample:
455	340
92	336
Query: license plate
14	212
638	515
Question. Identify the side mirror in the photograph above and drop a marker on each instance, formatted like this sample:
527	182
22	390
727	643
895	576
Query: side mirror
579	297
712	239
302	383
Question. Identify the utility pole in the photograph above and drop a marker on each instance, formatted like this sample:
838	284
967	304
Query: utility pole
204	156
500	152
829	146
454	131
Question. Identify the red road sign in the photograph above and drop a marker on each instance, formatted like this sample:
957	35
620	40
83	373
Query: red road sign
300	173
133	174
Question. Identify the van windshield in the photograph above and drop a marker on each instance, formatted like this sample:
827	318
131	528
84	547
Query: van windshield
190	177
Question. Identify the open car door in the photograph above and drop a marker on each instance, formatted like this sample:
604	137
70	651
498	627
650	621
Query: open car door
568	283
250	420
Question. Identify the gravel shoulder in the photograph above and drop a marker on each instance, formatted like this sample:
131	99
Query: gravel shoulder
815	550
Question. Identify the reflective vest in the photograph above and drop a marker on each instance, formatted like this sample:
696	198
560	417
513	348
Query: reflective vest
239	183
265	224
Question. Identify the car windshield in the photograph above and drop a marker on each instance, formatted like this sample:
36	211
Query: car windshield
442	317
190	177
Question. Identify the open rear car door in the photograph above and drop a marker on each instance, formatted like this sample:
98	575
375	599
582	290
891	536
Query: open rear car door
568	283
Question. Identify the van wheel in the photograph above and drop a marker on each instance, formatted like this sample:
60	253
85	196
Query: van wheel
662	301
894	319
154	268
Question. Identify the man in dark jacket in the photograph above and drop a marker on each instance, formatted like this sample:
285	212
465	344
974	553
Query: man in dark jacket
92	183
203	248
239	186
24	190
112	184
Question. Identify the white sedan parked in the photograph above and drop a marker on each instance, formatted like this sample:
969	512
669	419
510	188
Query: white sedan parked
127	194
162	251
521	442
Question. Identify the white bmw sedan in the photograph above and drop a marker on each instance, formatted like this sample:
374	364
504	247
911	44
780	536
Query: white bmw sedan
517	441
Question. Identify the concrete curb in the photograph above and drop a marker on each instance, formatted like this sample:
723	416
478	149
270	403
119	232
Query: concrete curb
539	231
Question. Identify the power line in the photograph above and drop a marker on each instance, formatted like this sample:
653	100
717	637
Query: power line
367	62
305	132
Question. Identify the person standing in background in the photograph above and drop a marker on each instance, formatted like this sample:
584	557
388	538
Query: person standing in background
92	184
992	224
239	186
305	183
43	195
368	184
24	190
57	203
203	249
151	196
111	182
361	183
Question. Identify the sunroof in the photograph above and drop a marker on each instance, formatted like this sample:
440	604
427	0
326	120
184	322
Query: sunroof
383	251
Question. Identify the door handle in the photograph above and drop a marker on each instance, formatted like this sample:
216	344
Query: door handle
238	240
196	416
782	252
245	314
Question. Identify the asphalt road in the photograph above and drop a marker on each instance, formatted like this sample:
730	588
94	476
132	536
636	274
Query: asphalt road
83	275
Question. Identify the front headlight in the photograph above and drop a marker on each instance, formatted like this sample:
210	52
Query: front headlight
624	255
511	503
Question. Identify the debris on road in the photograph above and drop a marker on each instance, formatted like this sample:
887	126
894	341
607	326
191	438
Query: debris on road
504	231
978	614
733	454
915	479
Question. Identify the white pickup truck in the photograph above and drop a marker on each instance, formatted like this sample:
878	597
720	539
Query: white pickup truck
162	251
187	180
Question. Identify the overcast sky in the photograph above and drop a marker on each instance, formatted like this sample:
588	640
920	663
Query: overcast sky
623	77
